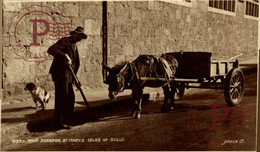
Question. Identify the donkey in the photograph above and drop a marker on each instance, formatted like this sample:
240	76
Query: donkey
128	76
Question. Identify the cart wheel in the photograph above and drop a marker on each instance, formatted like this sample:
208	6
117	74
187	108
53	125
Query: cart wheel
234	87
179	91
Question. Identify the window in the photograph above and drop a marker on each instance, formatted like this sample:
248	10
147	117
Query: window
252	8
227	5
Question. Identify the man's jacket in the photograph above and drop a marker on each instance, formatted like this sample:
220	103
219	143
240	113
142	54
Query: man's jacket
59	69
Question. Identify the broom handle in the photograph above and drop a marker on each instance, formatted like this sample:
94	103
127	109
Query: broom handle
78	85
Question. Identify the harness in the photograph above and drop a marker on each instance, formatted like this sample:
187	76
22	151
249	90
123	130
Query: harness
166	70
134	73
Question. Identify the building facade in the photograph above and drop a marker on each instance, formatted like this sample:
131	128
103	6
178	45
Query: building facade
225	28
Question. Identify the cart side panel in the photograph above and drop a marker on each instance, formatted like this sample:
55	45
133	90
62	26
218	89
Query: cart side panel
220	68
192	65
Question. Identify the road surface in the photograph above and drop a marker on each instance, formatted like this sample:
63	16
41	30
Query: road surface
201	121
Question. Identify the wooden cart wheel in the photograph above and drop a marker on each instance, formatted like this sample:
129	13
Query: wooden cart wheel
234	86
179	91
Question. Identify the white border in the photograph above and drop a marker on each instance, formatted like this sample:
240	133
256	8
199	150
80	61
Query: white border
183	3
69	0
179	2
257	89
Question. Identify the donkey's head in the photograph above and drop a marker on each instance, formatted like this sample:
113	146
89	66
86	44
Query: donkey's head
115	79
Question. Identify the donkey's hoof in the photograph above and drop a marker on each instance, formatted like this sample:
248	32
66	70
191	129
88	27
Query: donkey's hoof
133	114
138	116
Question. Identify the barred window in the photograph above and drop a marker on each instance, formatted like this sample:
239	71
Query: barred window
227	5
252	8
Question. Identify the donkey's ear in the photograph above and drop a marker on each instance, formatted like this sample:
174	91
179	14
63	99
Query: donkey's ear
123	68
107	68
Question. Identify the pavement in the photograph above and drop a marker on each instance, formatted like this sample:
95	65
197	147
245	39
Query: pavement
19	110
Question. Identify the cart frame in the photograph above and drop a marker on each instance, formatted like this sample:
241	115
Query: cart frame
225	75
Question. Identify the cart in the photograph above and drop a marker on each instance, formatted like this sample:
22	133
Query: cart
198	70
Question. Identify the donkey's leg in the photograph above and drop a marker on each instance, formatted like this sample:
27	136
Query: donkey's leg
173	86
134	107
166	97
139	108
137	97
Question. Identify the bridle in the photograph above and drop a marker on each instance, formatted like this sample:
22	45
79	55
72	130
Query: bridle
122	83
119	76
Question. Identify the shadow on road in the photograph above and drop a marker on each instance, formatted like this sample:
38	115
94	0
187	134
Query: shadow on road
107	110
120	109
104	110
18	109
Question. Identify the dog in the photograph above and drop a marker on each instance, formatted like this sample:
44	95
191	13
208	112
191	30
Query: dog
39	95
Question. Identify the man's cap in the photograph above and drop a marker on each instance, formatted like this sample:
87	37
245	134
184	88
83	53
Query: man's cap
79	30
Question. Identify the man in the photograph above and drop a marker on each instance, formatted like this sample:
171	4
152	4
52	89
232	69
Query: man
65	54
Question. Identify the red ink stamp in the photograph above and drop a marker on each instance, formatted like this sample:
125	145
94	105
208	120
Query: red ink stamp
222	125
33	29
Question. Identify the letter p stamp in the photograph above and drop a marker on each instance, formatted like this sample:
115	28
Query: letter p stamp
223	124
33	29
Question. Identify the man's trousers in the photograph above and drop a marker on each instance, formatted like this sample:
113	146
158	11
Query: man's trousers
64	101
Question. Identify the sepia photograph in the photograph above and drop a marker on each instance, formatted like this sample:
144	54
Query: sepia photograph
129	75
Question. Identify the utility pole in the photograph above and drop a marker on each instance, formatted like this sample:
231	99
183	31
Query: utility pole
104	38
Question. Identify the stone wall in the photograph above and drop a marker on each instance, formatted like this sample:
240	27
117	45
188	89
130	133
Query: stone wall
156	27
134	27
20	68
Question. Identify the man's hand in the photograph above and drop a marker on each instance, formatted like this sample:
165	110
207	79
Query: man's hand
69	62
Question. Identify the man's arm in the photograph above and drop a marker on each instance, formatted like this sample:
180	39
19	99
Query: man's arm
56	49
77	62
